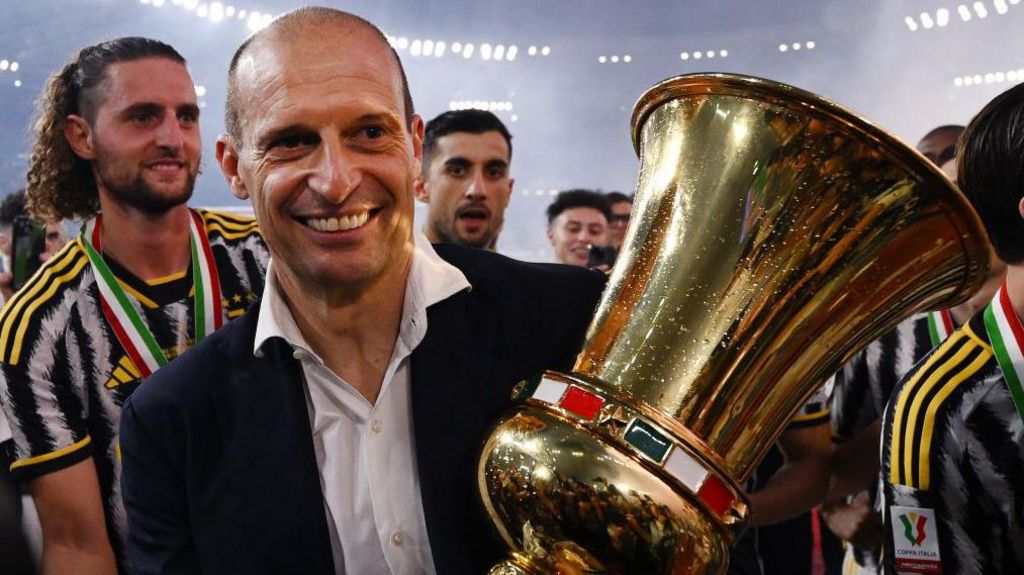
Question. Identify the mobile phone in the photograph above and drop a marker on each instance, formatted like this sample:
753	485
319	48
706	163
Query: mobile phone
601	256
28	240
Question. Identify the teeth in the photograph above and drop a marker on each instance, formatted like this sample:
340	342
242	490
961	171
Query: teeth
339	224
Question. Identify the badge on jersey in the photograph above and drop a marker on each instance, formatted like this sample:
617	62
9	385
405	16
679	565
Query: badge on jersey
915	540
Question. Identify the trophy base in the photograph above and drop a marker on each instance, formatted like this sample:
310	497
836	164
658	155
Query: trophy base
570	498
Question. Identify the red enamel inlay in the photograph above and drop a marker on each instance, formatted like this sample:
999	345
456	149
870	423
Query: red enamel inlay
715	494
582	402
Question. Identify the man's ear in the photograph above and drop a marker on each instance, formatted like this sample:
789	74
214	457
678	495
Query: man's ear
78	134
416	128
227	157
508	193
1020	207
419	189
551	235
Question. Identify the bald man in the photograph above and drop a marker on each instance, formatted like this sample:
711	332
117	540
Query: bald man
336	427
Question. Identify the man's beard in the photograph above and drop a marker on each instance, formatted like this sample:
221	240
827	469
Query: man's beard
139	195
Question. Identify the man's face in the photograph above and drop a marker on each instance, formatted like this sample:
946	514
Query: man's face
574	231
55	238
939	146
467	188
617	226
144	142
326	158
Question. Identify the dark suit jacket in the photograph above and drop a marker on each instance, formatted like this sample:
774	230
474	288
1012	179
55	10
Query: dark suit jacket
219	473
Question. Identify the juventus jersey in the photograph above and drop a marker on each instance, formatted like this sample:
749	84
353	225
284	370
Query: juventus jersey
63	373
862	390
953	464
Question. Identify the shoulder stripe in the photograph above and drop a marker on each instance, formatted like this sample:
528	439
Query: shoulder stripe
229	221
919	402
65	265
232	234
52	455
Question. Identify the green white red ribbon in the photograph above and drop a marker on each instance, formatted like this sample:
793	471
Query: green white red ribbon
940	326
1007	338
132	333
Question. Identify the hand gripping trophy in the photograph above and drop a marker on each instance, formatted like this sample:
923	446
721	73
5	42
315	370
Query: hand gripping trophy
774	234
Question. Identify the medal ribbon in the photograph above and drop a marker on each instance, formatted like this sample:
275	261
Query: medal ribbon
132	333
940	325
1007	337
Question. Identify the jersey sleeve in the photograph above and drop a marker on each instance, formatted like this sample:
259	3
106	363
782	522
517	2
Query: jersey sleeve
815	410
47	420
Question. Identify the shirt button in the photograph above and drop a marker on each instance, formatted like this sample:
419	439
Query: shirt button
377	426
398	539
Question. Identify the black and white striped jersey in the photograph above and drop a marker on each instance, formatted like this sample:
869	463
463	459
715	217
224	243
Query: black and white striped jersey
953	464
865	383
63	374
862	390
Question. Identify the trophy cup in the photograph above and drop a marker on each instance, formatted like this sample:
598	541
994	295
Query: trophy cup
774	234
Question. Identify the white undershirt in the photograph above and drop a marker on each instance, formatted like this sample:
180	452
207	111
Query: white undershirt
365	452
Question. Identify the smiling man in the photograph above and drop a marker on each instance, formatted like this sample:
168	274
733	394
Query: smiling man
117	145
336	429
465	181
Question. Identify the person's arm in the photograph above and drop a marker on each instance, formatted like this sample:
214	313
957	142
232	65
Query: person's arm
153	489
800	483
71	514
854	466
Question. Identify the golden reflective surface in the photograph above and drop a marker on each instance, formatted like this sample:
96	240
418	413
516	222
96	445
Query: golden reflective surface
774	234
575	504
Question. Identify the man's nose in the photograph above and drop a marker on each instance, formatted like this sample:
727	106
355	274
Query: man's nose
476	188
335	172
170	135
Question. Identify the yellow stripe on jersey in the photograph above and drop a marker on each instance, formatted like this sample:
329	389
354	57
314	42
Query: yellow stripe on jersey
804	417
232	235
166	279
136	294
915	411
52	455
65	265
236	224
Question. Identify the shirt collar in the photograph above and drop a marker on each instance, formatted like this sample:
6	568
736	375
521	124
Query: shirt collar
431	280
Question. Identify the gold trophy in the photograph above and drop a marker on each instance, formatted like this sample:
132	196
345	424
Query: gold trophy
774	234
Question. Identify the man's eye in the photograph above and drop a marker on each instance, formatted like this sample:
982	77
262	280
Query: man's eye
291	142
142	118
496	172
374	132
188	118
456	171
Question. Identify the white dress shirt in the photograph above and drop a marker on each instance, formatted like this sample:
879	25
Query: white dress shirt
366	452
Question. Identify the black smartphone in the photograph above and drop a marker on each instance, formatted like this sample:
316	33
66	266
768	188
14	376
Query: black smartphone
602	256
28	240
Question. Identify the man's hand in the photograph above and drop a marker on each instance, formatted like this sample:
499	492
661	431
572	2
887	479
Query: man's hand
855	522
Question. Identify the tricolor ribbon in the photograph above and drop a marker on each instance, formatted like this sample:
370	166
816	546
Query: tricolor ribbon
940	326
132	333
1007	337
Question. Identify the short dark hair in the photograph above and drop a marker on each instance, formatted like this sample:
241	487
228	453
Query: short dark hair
951	131
12	206
579	198
60	184
991	171
618	198
285	23
471	121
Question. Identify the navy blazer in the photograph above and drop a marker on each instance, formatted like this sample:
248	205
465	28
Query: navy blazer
218	469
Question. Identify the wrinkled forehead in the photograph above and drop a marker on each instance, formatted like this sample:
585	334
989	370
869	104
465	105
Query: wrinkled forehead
279	64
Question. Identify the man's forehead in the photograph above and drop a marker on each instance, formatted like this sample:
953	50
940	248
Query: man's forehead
130	83
474	145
